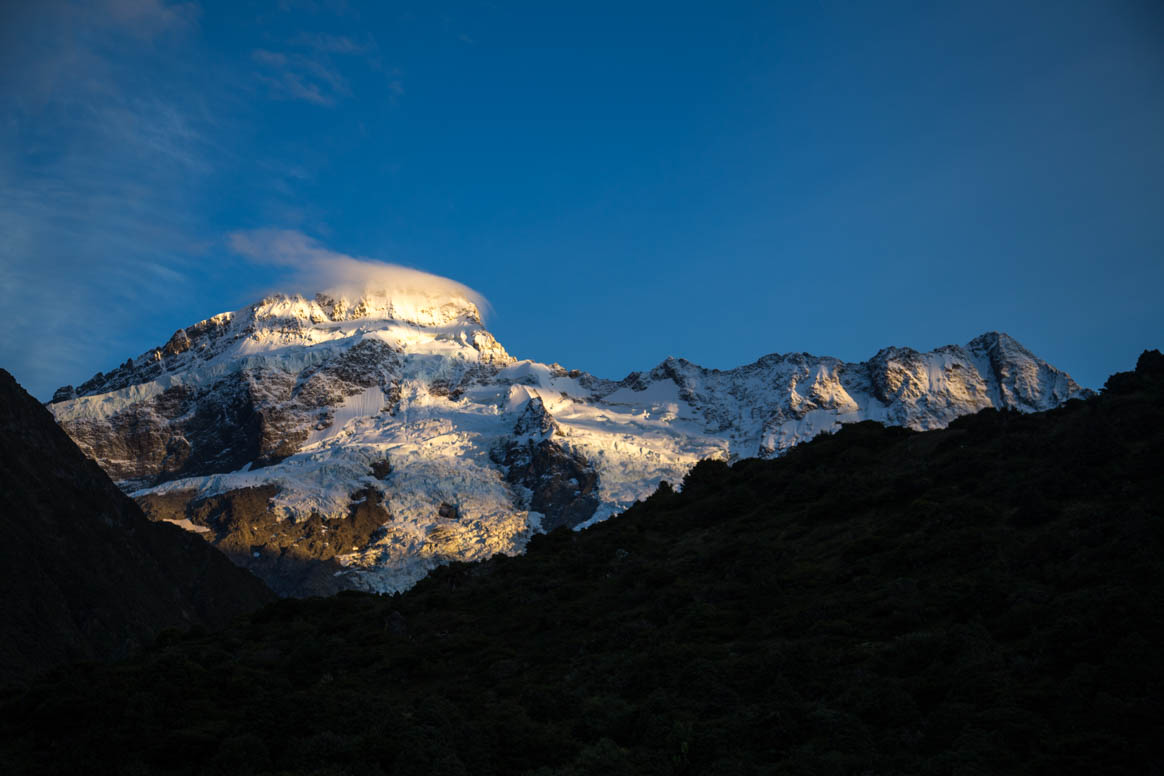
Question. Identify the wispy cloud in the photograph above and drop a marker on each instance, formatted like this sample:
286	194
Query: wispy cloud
313	268
332	44
299	77
307	68
99	169
337	7
120	139
269	58
150	18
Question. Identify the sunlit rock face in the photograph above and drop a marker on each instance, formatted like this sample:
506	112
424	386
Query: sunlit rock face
407	402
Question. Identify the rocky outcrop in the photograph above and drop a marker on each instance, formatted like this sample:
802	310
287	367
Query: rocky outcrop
535	421
85	575
203	340
551	480
294	557
180	432
562	485
256	416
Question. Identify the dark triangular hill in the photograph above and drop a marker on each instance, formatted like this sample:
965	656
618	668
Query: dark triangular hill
83	573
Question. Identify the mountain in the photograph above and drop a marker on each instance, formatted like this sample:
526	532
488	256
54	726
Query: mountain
85	575
981	599
341	442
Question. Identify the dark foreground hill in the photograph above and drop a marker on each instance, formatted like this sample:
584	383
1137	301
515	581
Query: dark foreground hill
983	599
83	573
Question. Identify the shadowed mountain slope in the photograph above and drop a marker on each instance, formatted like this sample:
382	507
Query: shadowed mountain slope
985	598
84	574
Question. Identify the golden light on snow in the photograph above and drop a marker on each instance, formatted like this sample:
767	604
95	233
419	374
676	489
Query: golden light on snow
315	268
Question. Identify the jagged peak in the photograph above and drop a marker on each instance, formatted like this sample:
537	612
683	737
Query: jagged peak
424	308
999	343
535	420
997	340
670	367
894	352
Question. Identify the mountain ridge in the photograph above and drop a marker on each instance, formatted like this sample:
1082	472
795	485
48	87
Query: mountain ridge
328	398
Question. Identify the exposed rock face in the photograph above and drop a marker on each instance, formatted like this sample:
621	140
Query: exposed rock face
257	415
314	397
562	485
85	575
554	482
294	557
181	431
535	421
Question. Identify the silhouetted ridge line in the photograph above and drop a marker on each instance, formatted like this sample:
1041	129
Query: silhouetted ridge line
84	574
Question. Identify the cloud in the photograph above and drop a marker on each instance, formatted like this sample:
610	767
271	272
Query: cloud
103	161
54	49
149	18
332	44
120	129
299	77
307	69
315	268
269	58
337	7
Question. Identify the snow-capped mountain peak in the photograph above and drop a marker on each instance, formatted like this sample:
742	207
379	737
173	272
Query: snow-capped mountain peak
379	434
413	321
421	308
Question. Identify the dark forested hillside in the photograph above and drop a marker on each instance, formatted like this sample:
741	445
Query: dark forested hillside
83	573
983	599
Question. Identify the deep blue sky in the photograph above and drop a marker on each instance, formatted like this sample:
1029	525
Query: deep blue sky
622	181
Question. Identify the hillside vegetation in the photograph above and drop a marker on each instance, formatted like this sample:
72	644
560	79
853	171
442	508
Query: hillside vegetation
983	599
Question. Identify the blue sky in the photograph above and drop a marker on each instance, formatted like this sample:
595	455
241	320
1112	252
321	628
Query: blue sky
622	181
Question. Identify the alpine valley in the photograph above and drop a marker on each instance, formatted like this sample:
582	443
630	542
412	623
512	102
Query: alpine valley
357	441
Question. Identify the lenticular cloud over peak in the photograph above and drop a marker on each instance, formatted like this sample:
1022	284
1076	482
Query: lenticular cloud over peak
314	269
